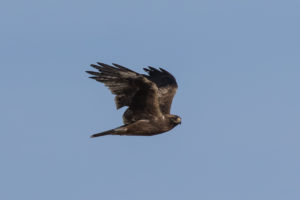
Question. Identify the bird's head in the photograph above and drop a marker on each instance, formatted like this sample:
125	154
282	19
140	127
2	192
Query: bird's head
175	120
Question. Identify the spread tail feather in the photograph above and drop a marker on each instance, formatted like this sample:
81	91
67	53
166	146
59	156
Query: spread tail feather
115	131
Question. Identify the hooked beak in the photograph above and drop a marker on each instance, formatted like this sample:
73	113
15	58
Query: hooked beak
179	121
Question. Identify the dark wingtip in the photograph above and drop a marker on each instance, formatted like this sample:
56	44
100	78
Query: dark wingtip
118	66
95	66
89	72
100	63
152	68
93	73
146	69
93	77
163	70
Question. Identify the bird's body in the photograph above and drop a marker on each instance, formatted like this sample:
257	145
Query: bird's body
148	97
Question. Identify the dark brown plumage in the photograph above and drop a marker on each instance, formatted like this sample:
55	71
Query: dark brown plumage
148	97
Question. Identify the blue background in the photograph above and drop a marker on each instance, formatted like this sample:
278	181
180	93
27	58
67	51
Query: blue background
237	65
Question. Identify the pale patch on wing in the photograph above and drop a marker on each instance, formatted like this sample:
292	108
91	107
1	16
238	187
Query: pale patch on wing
144	120
128	74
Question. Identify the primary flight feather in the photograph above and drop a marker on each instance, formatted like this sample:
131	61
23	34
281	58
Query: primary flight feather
148	97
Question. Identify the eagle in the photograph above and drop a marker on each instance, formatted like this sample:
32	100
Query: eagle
147	96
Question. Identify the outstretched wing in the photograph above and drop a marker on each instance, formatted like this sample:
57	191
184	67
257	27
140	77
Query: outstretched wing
167	87
131	89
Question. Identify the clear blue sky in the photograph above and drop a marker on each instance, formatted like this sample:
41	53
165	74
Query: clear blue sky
237	64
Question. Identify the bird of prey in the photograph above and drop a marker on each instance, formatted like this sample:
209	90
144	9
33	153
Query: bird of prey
148	97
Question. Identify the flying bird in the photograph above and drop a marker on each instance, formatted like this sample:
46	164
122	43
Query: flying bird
147	96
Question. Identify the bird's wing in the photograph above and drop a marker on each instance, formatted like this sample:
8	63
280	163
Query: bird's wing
131	89
166	84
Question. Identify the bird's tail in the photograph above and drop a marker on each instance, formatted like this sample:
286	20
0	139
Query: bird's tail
115	131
